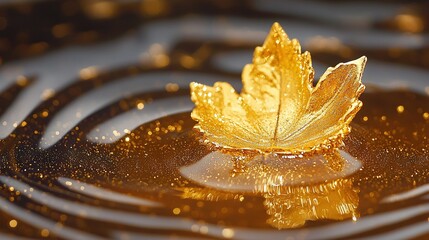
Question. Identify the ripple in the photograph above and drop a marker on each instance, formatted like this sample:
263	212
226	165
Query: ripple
100	193
103	180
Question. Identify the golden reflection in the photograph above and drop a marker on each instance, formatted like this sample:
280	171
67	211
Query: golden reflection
409	23
208	194
154	7
293	191
157	55
22	81
329	44
100	9
336	200
48	93
88	73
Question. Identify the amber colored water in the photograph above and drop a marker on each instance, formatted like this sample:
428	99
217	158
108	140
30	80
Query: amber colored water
97	139
390	142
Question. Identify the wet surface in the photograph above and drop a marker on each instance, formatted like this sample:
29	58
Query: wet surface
97	137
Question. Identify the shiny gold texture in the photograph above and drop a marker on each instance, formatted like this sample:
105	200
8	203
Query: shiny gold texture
336	200
278	109
292	192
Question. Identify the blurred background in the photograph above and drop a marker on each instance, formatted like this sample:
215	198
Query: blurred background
388	31
58	43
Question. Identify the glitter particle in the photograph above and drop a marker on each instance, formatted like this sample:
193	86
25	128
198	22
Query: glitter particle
176	211
172	87
44	233
88	73
13	223
140	106
228	233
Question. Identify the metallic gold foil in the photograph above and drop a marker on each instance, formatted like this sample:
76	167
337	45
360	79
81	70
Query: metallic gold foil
278	109
336	200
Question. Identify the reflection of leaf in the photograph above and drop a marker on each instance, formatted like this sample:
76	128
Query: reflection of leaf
279	109
208	194
335	200
296	191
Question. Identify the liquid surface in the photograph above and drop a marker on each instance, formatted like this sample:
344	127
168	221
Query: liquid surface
97	140
147	181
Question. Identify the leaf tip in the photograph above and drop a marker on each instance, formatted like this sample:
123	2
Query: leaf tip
359	62
194	86
277	28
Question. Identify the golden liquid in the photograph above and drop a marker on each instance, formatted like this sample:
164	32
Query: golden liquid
46	191
389	139
390	143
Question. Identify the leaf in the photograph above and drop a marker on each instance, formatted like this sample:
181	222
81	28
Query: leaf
278	109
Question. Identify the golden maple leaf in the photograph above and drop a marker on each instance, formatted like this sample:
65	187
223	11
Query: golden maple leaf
278	109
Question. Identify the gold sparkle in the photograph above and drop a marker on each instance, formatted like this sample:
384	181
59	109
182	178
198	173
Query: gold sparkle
278	109
13	223
409	23
140	106
172	87
88	73
176	211
44	233
22	81
48	93
228	233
